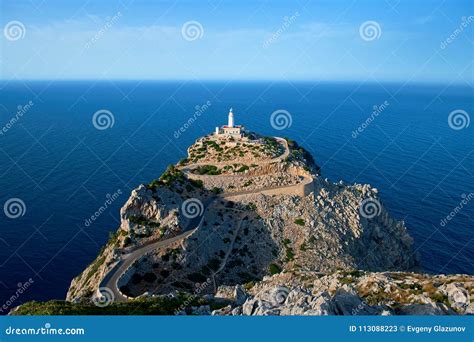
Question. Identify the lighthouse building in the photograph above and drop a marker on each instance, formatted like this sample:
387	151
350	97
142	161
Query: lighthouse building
230	130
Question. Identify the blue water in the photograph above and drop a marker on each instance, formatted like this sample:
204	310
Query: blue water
63	168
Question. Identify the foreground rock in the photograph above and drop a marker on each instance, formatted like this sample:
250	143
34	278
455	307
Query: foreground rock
356	293
297	293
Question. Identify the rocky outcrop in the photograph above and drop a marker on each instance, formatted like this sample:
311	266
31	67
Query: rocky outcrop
146	216
356	293
328	229
269	248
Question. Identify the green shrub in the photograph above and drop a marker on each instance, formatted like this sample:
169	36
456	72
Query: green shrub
142	306
299	222
274	269
208	170
95	266
440	298
216	190
251	206
168	177
143	221
290	254
197	183
248	286
242	168
247	183
345	280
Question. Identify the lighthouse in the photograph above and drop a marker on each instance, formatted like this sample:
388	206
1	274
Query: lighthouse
230	130
231	119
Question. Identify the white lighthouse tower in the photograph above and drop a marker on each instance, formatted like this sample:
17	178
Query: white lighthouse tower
230	130
231	119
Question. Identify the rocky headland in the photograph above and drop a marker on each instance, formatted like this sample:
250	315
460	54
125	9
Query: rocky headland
250	227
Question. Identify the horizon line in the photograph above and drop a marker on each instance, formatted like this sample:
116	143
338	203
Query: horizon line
407	82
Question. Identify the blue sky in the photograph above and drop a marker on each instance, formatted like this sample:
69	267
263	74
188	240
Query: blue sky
239	40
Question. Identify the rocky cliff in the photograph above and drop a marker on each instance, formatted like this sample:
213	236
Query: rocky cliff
258	215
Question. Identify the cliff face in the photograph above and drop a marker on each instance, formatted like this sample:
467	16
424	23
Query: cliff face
143	218
255	230
260	208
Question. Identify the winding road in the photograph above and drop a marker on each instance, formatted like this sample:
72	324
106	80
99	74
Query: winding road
110	281
112	278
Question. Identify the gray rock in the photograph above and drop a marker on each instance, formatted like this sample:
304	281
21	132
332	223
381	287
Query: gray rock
470	309
249	306
458	296
349	303
421	309
240	295
222	312
201	310
237	311
322	305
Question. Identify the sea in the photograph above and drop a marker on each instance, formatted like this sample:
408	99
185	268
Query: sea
72	151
